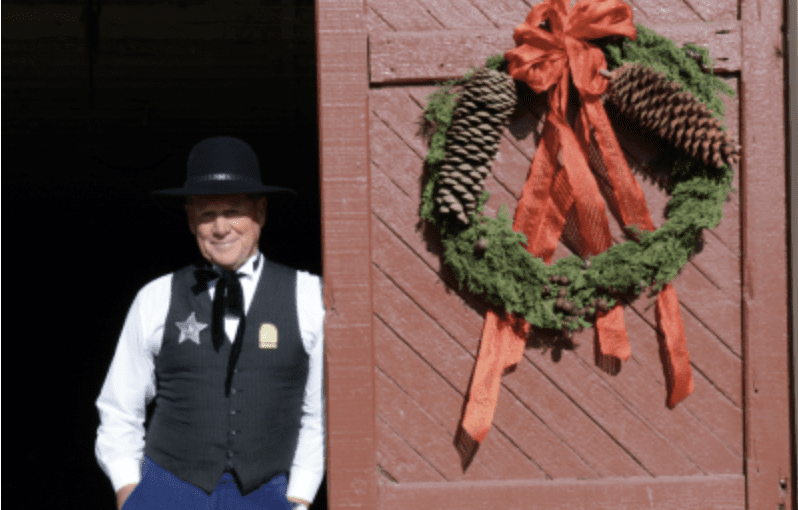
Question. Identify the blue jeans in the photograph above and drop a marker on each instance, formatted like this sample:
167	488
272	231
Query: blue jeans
161	490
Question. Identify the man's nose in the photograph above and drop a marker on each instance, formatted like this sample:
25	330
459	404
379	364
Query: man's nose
221	226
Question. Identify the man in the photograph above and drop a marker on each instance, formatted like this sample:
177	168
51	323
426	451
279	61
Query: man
231	351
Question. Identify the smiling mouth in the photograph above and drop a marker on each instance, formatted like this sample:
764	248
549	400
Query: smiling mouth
224	245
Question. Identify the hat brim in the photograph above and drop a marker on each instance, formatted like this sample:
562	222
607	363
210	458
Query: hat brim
222	188
277	197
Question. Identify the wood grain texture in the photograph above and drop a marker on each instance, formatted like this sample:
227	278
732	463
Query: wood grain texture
399	16
412	56
665	11
444	397
719	492
349	361
456	13
505	14
399	461
765	285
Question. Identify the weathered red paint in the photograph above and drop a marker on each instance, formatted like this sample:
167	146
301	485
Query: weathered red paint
566	433
764	247
349	361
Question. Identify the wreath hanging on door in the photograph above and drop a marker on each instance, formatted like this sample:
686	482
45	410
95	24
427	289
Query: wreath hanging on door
670	93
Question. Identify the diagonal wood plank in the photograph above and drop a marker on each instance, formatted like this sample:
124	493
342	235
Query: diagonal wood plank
710	304
408	15
585	387
413	425
714	360
662	11
396	109
501	458
443	401
399	460
720	414
400	117
376	23
456	14
456	368
504	14
525	430
558	411
709	355
636	385
387	151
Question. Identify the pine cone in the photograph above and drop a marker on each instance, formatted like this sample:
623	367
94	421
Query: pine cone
648	98
484	107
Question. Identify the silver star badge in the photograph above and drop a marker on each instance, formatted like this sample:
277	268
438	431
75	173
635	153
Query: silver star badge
190	329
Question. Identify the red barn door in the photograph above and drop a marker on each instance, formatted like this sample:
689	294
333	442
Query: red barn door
402	340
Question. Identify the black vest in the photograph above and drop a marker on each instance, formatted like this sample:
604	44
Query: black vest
196	432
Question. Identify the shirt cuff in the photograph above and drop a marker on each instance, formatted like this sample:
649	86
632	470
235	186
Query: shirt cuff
303	484
123	472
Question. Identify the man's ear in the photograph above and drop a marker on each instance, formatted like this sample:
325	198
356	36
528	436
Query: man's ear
190	214
260	211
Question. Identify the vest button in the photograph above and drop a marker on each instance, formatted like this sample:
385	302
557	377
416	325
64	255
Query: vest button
233	391
229	454
232	412
232	432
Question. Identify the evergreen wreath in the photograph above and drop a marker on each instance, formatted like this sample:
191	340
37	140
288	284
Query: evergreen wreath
649	74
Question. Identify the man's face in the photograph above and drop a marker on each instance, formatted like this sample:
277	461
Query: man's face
227	227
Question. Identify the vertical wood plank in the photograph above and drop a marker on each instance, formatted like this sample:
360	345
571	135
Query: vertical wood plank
764	247
343	138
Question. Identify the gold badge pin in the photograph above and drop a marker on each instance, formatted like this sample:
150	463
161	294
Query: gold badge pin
267	339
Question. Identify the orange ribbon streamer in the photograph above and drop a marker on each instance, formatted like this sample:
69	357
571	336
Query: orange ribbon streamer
560	179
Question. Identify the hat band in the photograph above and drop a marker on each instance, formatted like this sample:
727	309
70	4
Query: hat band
220	177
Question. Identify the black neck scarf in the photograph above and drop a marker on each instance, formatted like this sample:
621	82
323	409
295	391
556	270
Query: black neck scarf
227	300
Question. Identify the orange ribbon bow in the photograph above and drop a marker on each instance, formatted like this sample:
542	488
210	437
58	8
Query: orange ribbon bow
561	183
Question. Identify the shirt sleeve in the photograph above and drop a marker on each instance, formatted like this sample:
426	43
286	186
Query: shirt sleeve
130	385
307	470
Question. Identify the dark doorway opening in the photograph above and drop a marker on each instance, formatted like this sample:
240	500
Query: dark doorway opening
81	152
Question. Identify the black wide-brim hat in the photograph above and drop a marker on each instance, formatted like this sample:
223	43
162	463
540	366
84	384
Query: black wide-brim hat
224	165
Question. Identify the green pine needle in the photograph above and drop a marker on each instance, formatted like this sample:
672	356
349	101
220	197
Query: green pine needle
509	277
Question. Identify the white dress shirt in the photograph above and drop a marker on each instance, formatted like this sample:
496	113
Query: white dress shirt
130	383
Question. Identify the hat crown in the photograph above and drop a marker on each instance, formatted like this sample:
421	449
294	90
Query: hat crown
223	158
224	165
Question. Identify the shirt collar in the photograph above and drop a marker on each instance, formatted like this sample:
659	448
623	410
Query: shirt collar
251	268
